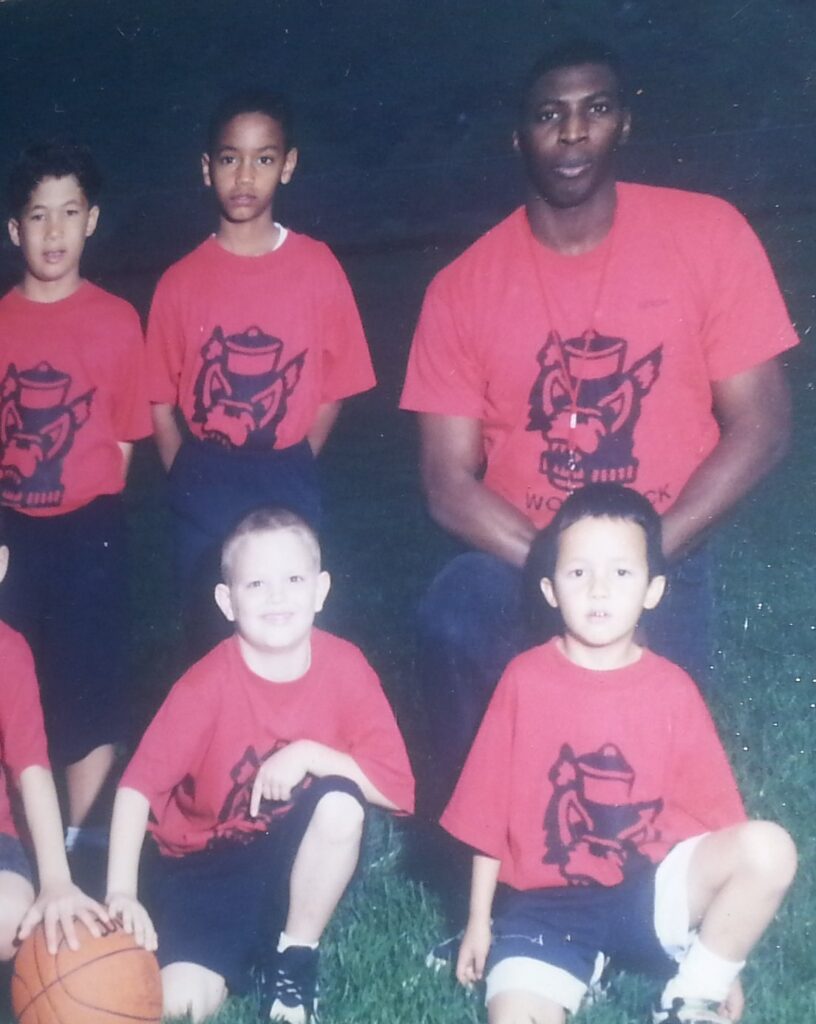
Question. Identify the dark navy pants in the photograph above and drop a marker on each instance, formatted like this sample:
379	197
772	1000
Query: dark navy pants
210	490
472	622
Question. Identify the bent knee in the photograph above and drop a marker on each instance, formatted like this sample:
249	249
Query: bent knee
339	816
769	850
191	989
16	896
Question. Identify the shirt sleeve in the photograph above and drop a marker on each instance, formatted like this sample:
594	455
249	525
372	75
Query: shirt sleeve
443	374
21	719
479	810
346	361
747	321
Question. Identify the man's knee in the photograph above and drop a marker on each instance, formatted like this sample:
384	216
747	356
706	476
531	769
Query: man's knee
191	989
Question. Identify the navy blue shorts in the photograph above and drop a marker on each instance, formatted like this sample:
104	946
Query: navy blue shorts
223	908
567	928
13	857
67	593
210	489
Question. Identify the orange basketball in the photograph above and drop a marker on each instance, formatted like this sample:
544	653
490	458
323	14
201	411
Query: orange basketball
109	980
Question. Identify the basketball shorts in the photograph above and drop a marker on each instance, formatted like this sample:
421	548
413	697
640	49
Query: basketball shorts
67	592
223	908
553	942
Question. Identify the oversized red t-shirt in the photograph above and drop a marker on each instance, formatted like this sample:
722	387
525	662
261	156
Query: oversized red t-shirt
198	759
72	385
248	347
577	776
598	367
22	733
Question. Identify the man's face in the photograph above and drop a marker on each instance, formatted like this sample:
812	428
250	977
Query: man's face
249	164
572	124
52	228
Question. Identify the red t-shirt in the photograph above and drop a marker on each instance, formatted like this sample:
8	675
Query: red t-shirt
598	367
22	733
248	347
576	776
72	385
198	759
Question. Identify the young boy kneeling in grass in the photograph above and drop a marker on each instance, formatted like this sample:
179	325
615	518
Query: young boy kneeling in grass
256	774
614	827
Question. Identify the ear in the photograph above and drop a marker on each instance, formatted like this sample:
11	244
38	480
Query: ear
654	592
14	230
224	601
323	587
4	559
93	218
289	165
548	591
205	169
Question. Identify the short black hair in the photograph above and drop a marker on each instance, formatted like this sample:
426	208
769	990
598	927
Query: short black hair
569	54
595	501
55	158
251	101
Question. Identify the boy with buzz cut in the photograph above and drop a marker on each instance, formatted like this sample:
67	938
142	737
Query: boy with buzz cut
24	767
614	827
256	774
253	340
72	402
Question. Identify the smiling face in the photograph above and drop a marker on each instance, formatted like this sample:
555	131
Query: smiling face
51	232
275	588
247	165
572	123
601	586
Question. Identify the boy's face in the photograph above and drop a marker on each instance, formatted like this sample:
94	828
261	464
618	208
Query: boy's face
274	591
251	160
601	583
52	228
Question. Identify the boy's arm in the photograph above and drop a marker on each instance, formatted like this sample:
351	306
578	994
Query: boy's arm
166	432
128	826
323	424
475	943
280	773
59	900
126	448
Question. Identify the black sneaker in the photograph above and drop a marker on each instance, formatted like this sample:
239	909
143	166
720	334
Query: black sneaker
292	988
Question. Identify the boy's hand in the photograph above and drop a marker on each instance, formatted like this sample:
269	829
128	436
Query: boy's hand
473	952
279	774
735	1002
56	906
135	919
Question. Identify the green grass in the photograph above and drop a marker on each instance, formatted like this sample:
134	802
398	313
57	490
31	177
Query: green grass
382	551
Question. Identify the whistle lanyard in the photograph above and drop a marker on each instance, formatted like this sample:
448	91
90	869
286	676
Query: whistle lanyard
572	381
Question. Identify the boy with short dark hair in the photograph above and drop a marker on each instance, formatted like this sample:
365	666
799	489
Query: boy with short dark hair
256	774
254	341
615	827
72	402
24	767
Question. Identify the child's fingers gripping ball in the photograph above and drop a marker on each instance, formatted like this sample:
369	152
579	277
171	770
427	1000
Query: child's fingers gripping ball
108	980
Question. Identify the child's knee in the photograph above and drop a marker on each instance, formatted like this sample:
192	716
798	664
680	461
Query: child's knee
523	1008
339	817
191	989
768	850
16	896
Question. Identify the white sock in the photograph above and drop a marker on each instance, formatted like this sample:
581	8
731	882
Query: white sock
702	974
71	836
285	941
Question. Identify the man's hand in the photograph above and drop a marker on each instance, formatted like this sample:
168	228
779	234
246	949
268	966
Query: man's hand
473	952
135	919
279	774
57	906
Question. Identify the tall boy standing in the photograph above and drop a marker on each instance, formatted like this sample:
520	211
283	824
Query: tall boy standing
72	401
614	827
254	339
257	772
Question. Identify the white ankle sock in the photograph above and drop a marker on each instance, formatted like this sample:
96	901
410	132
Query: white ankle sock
702	974
285	941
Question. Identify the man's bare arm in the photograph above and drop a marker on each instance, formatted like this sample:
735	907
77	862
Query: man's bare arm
451	460
754	412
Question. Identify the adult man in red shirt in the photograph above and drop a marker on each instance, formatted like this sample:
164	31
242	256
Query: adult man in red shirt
603	331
